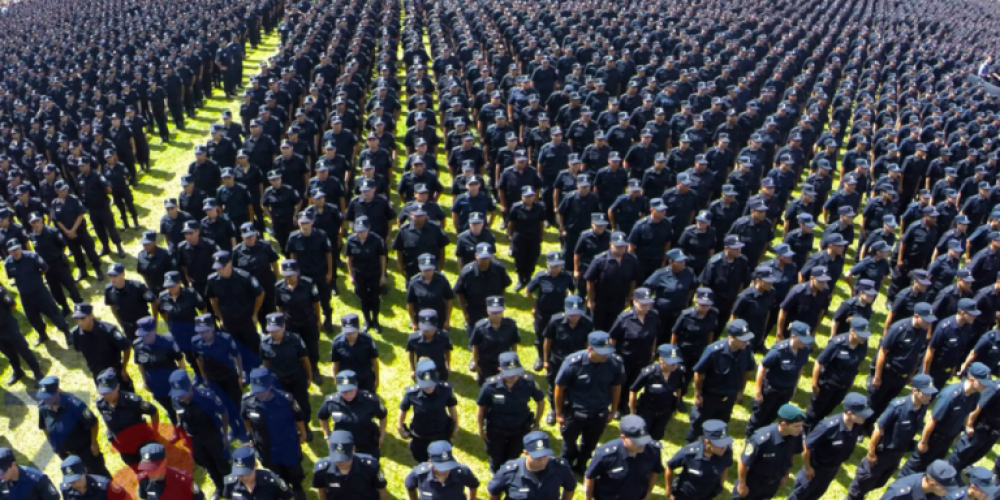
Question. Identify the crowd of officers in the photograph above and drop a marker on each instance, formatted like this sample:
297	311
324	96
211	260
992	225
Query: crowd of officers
711	137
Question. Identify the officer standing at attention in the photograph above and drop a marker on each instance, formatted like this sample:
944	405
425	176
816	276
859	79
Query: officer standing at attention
504	416
70	216
299	299
898	353
205	421
656	391
950	342
345	471
491	337
220	365
179	305
985	423
441	478
23	482
236	298
366	261
102	345
936	483
587	393
157	478
626	468
435	411
258	258
549	289
429	342
356	351
829	446
280	204
538	474
692	332
704	465
94	191
194	256
12	342
650	239
430	290
525	226
310	247
767	456
354	410
49	243
720	376
27	270
249	482
153	261
157	356
611	278
129	300
69	427
277	428
124	417
892	437
634	335
486	277
835	369
949	418
284	354
672	286
565	334
468	240
77	484
592	243
417	237
778	375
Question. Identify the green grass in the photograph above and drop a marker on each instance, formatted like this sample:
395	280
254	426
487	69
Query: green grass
17	420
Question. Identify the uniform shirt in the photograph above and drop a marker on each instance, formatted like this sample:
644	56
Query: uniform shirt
430	410
831	443
268	486
949	341
8	321
635	340
753	234
273	426
281	202
899	423
366	256
840	361
362	482
28	272
589	246
477	284
726	278
68	426
651	238
905	345
658	393
172	228
907	299
356	416
508	408
131	300
699	474
310	252
783	365
576	210
804	305
869	268
987	349
355	357
516	481
617	475
179	313
550	291
908	488
769	454
753	306
850	308
153	266
693	332
98	488
527	221
465	204
101	347
197	258
672	290
219	357
256	259
234	201
412	241
50	245
454	487
128	417
588	385
202	416
298	303
613	279
177	485
32	484
951	410
379	212
284	358
158	359
493	341
235	295
723	369
919	241
435	349
430	295
565	339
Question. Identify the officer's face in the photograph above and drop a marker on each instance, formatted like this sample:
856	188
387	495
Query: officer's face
791	428
12	471
536	463
935	487
117	280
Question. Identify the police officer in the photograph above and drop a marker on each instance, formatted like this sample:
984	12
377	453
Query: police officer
720	376
949	418
611	278
158	478
27	269
778	375
504	416
21	481
835	369
525	225
153	262
551	287
258	257
298	298
344	470
172	225
285	354
914	251
828	446
68	425
892	437
157	357
129	300
755	231
704	465
366	260
650	238
673	286
634	335
767	457
430	290
12	342
490	337
50	245
220	365
478	232
353	410
69	215
277	428
587	394
435	411
124	415
592	242
280	204
692	332
565	334
311	248
178	305
205	421
538	474
101	344
77	484
725	274
807	302
356	351
898	354
980	485
94	191
656	391
627	467
985	425
377	209
248	481
939	479
441	478
486	277
236	298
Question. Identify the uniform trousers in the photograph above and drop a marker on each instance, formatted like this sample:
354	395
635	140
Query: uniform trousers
82	245
293	474
230	391
527	250
503	445
541	321
713	406
813	489
160	117
581	432
937	448
324	290
126	204
282	230
633	367
657	419
968	451
104	226
309	331
761	487
15	347
38	303
298	387
879	398
367	286
765	411
60	280
871	477
823	403
247	338
606	311
177	113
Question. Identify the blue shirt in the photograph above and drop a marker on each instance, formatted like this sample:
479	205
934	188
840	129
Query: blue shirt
672	290
699	474
900	423
588	385
219	357
907	488
32	484
831	443
724	370
783	365
840	361
518	483
904	345
769	454
453	488
948	342
987	349
952	408
619	476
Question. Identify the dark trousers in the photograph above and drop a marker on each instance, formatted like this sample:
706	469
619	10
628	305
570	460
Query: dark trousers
581	433
368	289
94	463
937	448
268	306
126	203
971	450
725	307
879	399
167	403
160	117
177	113
806	489
900	280
712	407
502	446
648	267
230	391
282	229
633	367
324	292
60	280
871	477
104	226
761	487
290	473
823	403
606	311
550	377
84	244
527	250
765	411
656	421
247	339
541	321
418	446
309	331
690	354
298	387
941	373
39	303
15	348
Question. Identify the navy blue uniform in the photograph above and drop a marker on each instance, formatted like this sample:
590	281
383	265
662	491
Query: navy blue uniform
588	393
619	476
356	416
431	421
830	444
900	422
454	487
658	397
782	367
951	410
362	482
768	457
31	484
840	364
723	372
508	416
904	345
700	477
515	481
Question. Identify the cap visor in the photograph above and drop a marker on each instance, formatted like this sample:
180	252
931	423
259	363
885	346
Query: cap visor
620	243
339	457
274	328
726	441
512	372
929	390
79	315
556	262
494	309
176	393
573	310
974	312
349	329
346	387
103	389
484	255
445	466
704	302
203	329
863	333
40	395
644	301
642	440
288	272
769	279
822	278
805	339
866	413
239	470
924	282
148	242
746	337
147	466
258	388
426	384
220	266
605	351
544	452
427	268
930	317
736	246
672	360
70	478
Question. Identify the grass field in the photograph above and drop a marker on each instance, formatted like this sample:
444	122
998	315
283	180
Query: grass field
17	420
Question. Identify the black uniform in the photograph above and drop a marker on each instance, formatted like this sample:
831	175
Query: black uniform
841	364
94	190
258	260
102	348
356	357
356	416
235	298
67	429
475	285
366	270
508	416
202	418
298	303
28	272
311	252
589	388
431	421
64	213
130	304
126	424
50	245
12	343
272	426
768	457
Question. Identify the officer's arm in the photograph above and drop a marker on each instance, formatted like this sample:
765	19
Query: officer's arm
782	319
971	420
616	395
874	441
401	423
902	251
257	303
928	359
588	483
321	493
925	436
880	366
965	366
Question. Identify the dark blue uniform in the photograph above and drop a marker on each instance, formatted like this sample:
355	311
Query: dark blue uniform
357	357
550	292
830	445
658	397
900	422
768	457
515	480
904	345
454	487
267	486
28	273
431	421
840	364
700	476
97	488
588	390
67	429
362	482
782	367
357	417
158	360
986	431
951	410
619	476
275	435
672	291
201	418
723	373
949	342
508	416
32	484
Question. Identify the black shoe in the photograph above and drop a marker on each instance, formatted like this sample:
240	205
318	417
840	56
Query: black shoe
100	276
36	380
317	377
105	252
135	221
378	327
618	415
122	254
328	325
125	225
682	406
538	365
81	276
14	377
40	340
550	418
215	495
